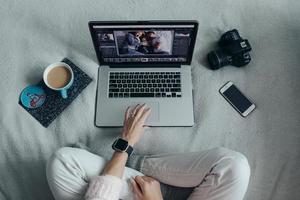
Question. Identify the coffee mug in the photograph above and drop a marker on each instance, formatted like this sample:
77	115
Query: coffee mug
59	76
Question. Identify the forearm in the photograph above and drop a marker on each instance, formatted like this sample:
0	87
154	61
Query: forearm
116	165
109	184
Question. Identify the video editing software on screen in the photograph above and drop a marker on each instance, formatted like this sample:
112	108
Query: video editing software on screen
144	43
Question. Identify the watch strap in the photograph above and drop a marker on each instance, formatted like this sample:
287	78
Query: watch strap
129	150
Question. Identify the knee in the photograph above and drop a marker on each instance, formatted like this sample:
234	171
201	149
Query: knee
236	165
65	175
238	168
59	161
64	153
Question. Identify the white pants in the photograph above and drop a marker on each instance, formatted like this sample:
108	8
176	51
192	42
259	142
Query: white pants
216	174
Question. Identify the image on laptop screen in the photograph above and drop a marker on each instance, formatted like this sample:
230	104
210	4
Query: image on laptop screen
144	43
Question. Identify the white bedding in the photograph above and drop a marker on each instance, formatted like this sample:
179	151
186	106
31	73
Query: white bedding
34	34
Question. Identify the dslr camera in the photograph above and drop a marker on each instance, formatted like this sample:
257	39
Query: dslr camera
234	50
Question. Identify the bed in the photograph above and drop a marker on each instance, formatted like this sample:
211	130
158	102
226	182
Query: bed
34	34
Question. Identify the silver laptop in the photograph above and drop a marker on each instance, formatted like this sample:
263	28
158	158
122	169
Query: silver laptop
144	62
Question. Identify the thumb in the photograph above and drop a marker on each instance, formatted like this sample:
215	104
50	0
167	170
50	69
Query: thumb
136	189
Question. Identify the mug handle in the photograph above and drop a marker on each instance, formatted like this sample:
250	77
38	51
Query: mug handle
64	93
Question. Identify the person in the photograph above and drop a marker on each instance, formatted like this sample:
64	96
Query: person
215	174
156	45
132	43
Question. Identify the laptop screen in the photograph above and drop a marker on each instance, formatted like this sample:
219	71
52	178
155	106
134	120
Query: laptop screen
137	43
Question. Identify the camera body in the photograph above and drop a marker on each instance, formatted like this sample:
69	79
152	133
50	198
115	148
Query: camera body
234	50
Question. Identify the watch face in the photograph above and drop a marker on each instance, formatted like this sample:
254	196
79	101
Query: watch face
121	144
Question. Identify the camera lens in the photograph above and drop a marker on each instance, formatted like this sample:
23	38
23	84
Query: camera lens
218	59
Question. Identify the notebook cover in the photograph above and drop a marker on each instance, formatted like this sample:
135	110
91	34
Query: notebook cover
54	103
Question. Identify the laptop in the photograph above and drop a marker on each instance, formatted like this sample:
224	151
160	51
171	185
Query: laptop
144	62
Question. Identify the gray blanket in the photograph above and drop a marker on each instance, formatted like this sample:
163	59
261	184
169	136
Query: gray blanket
34	34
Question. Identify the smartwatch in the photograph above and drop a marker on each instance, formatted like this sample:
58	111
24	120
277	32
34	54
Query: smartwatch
121	145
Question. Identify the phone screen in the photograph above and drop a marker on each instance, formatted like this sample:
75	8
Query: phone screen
237	98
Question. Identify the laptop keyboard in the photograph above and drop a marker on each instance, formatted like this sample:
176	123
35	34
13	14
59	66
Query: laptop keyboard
144	84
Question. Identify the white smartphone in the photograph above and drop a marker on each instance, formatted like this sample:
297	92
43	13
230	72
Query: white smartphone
237	99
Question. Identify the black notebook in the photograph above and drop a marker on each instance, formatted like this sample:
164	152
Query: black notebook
54	103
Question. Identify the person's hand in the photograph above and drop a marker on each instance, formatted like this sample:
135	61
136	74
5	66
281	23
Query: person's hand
134	123
146	188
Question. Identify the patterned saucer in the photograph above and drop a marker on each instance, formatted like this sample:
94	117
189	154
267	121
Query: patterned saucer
33	97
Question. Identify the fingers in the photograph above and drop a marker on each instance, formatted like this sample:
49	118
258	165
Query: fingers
134	110
127	114
147	179
145	115
136	189
130	111
140	111
140	181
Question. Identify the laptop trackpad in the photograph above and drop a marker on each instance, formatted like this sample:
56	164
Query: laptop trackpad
154	115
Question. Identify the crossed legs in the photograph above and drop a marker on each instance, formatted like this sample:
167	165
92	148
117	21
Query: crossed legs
215	174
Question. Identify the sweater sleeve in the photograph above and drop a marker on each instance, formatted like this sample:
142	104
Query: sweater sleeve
105	187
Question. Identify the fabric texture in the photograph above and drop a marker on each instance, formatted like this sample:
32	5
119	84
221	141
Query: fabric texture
72	172
216	174
105	187
34	34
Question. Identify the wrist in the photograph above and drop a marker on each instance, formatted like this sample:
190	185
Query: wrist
121	154
122	145
130	141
